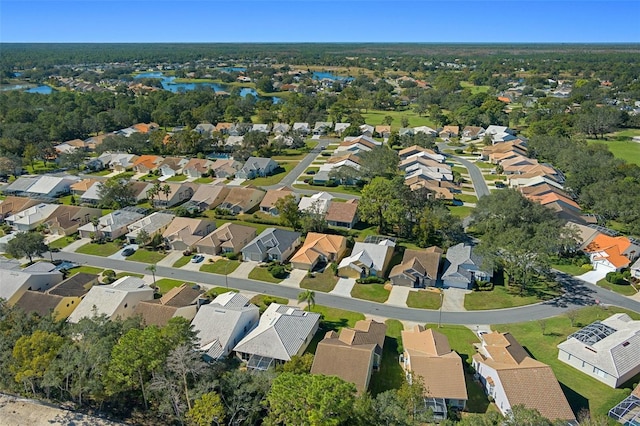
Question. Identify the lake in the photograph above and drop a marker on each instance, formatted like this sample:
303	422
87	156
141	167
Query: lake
327	75
43	90
168	83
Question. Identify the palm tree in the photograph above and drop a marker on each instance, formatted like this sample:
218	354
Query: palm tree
95	222
166	190
309	297
152	269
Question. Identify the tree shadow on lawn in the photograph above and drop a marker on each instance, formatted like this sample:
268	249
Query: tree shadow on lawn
574	292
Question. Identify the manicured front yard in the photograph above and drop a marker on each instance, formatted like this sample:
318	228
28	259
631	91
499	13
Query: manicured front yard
424	299
340	189
460	211
282	171
104	250
624	289
262	274
466	198
203	180
373	292
581	390
181	262
501	297
61	242
335	319
569	269
85	270
147	256
390	375
262	301
166	284
222	267
128	274
324	281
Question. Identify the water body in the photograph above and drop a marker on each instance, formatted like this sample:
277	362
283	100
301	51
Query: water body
329	76
43	90
232	69
168	83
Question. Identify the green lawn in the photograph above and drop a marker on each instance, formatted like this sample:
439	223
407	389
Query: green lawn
283	170
569	269
460	169
372	292
181	262
376	117
466	198
128	274
474	89
390	375
166	284
100	172
85	270
625	289
262	274
177	178
335	319
222	267
490	177
61	242
203	180
581	390
104	250
621	146
484	165
147	256
340	189
66	200
460	211
424	299
262	301
325	281
39	167
501	297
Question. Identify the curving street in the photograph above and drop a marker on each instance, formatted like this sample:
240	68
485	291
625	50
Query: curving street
578	294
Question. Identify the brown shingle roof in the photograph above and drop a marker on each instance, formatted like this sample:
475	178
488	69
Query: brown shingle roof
75	286
40	303
342	212
154	313
273	195
12	205
428	260
183	295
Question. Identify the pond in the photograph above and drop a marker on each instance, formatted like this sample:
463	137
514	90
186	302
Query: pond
168	83
43	90
329	76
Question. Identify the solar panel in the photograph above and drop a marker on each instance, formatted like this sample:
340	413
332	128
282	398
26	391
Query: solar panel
593	333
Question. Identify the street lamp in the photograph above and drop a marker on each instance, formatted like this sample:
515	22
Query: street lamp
441	300
226	276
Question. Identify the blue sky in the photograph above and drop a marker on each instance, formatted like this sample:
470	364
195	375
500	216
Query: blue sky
319	21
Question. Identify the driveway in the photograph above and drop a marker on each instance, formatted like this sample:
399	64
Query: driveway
593	276
242	271
118	255
71	248
170	259
294	278
398	296
454	299
190	266
343	287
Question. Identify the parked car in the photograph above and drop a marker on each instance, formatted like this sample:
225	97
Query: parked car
128	251
197	258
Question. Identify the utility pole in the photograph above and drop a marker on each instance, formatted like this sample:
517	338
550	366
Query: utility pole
440	316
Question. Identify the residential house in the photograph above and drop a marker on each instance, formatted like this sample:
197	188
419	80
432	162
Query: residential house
225	168
223	127
321	127
228	238
50	186
511	377
627	411
20	185
257	167
183	232
208	196
116	300
463	267
449	132
263	128
383	131
367	259
605	350
472	132
112	225
223	323
70	146
180	193
282	332
353	354
147	163
280	128
319	249
500	134
611	254
117	161
172	166
66	220
197	167
419	268
426	130
317	203
340	127
139	190
242	199
92	194
428	356
355	145
233	141
635	269
422	152
81	186
302	128
181	301
29	219
366	130
268	203
12	205
153	224
94	141
16	281
273	244
239	129
343	215
205	129
42	304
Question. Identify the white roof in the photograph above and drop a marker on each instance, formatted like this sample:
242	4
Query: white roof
106	299
33	214
369	254
616	354
113	221
425	129
151	224
46	184
92	192
281	332
319	200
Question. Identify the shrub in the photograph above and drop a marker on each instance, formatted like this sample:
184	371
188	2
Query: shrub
587	267
616	278
231	256
370	280
277	271
459	151
109	276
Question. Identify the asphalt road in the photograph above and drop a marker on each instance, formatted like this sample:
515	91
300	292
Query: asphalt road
291	177
578	293
479	183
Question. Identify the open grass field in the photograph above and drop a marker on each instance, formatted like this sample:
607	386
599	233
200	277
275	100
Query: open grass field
222	267
147	256
376	117
466	198
474	89
372	292
285	168
340	189
581	390
502	297
424	299
321	281
262	274
621	145
569	269
104	250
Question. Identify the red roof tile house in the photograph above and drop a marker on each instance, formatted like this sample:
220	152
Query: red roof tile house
511	377
611	254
